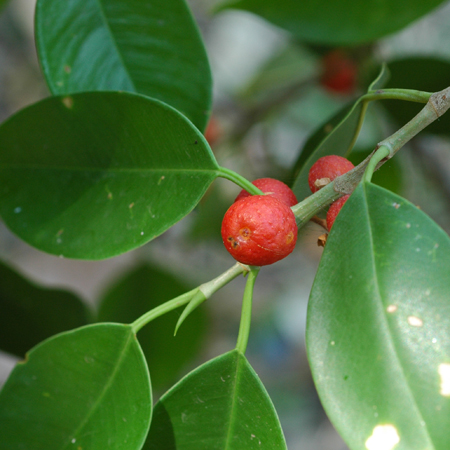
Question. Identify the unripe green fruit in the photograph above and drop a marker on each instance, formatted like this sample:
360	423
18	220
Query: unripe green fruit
326	169
334	209
274	188
259	230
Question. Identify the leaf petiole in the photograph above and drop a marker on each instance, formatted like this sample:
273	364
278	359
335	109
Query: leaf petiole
246	315
381	153
409	95
239	180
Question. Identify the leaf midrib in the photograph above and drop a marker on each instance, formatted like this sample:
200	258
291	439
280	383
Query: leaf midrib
111	34
387	328
105	169
233	401
104	390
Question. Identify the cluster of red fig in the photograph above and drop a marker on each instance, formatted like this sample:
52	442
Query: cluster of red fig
261	229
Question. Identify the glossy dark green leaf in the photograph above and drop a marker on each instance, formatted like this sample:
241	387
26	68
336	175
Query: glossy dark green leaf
141	290
424	74
220	405
30	313
339	23
378	325
83	389
97	174
152	48
336	137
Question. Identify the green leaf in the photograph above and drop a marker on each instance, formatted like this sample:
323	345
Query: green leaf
378	325
141	290
346	22
220	405
97	174
30	313
83	389
336	137
151	48
424	74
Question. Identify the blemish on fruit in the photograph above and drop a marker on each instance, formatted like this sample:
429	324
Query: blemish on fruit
391	308
289	237
142	233
396	205
245	232
384	437
68	102
161	179
328	167
408	225
131	205
415	321
444	374
332	343
67	69
18	210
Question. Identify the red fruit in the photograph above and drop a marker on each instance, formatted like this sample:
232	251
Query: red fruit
273	188
326	169
334	210
259	230
213	131
339	72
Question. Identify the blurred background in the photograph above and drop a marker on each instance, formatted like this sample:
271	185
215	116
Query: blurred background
270	94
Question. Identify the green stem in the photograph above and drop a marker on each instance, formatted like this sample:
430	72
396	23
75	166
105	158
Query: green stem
398	94
437	104
205	289
246	314
208	289
309	207
378	156
239	180
163	309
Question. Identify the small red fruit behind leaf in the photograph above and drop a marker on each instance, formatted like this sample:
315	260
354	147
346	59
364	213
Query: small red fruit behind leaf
334	209
273	188
339	72
259	230
213	131
326	169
